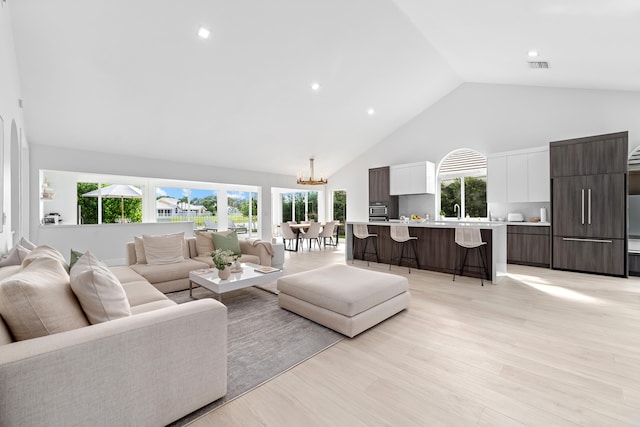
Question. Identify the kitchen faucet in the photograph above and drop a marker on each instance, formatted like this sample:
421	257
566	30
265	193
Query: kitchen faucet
456	206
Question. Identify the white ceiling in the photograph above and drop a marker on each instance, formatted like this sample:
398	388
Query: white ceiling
131	76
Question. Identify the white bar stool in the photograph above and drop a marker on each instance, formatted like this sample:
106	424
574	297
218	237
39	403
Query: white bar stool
470	238
361	231
400	234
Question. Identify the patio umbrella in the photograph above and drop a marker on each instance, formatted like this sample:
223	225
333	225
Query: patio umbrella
115	191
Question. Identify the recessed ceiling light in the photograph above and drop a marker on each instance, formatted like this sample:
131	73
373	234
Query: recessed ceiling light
371	111
533	53
315	86
203	33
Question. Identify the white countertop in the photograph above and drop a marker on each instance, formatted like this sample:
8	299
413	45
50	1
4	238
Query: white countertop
438	224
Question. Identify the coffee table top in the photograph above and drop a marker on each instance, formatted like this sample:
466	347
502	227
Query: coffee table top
208	278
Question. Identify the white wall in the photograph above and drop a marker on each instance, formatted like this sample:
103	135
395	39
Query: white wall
492	118
10	111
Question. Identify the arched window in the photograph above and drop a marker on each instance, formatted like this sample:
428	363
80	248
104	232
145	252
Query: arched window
462	179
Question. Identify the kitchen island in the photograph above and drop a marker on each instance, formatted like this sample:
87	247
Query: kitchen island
436	245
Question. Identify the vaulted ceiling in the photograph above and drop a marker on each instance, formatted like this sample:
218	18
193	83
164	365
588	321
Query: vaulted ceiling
132	76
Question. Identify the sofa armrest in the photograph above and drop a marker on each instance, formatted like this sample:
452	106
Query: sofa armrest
248	248
131	253
148	369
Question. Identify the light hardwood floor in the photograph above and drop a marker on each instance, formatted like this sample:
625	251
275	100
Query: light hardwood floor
543	348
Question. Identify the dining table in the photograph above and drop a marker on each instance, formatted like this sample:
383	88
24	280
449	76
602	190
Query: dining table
298	228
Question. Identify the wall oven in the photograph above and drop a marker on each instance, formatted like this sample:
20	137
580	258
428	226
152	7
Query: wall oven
378	212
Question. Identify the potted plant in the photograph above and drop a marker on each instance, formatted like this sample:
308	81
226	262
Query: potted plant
223	259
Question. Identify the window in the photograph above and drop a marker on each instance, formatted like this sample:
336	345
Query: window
462	178
186	204
242	211
300	206
112	204
340	209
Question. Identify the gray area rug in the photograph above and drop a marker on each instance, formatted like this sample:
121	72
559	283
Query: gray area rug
264	340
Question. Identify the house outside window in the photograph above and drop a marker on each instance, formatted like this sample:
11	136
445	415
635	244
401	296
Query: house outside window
462	179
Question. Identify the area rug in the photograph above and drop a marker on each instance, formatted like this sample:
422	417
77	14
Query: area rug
263	341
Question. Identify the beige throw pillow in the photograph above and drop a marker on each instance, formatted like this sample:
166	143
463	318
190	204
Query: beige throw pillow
45	251
99	291
204	243
38	301
164	249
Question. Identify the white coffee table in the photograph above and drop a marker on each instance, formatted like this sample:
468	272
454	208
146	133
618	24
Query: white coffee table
208	278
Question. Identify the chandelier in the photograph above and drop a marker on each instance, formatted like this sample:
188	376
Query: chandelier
310	180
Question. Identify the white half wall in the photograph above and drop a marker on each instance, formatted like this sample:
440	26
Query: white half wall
105	241
491	118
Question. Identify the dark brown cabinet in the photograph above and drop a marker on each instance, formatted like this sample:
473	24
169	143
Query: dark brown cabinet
379	189
589	204
593	155
529	245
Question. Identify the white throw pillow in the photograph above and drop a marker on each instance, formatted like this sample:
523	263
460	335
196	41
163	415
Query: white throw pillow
164	249
38	301
45	251
15	256
26	244
99	291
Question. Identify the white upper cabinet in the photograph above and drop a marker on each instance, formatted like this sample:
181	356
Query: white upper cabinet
539	176
497	179
412	178
518	176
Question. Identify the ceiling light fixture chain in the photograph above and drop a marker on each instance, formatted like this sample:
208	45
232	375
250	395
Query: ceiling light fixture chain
310	180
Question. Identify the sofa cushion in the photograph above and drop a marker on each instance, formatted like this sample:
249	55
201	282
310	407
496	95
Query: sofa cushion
151	306
45	251
15	256
204	243
167	272
253	259
142	292
125	274
100	293
226	241
38	301
164	249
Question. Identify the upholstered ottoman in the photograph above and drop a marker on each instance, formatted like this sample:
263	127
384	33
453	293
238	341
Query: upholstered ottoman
346	299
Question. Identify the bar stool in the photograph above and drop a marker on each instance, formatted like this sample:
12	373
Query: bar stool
470	238
361	231
400	234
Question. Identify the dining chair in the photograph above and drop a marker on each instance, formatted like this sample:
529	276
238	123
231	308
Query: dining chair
328	231
312	234
470	238
400	234
288	237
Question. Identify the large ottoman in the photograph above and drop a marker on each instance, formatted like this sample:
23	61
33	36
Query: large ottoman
346	299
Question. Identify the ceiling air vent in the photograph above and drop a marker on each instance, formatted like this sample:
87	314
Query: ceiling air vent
538	64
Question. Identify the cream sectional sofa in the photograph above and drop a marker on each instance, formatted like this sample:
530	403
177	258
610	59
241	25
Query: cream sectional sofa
196	253
152	367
